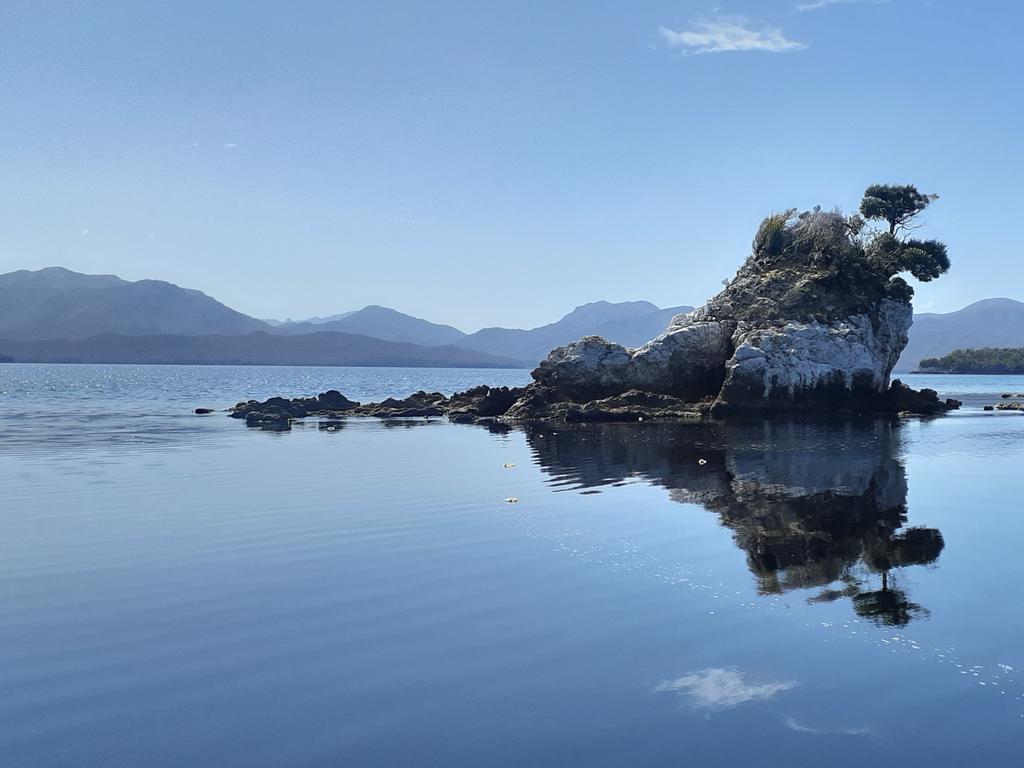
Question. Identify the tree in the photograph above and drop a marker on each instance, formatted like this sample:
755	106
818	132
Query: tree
898	205
924	259
895	203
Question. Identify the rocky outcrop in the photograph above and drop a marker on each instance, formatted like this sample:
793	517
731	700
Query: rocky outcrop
814	320
811	322
720	367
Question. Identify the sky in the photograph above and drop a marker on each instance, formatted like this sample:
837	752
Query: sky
495	163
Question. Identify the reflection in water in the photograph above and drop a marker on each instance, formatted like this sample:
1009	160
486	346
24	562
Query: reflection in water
814	504
793	725
718	688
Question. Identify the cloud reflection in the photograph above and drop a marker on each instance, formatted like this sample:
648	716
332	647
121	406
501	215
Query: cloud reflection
717	688
793	725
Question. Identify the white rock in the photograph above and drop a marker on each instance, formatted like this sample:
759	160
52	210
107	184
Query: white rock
798	361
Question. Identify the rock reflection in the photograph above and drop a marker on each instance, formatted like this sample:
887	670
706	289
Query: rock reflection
814	504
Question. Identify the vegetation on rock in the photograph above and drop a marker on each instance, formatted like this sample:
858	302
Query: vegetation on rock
994	360
823	265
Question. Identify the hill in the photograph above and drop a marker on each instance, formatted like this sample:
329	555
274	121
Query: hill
381	323
630	323
987	323
988	360
56	303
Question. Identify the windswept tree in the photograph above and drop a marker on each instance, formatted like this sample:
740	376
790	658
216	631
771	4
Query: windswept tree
891	250
895	203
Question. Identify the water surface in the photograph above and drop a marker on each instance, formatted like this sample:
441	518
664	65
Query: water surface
181	590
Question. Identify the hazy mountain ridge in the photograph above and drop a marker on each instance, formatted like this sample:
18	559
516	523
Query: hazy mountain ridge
56	303
381	323
630	323
258	348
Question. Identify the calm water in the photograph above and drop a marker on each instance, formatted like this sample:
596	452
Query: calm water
179	590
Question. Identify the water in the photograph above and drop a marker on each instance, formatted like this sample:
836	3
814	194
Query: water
181	590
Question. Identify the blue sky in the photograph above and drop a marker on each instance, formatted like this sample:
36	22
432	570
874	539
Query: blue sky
494	163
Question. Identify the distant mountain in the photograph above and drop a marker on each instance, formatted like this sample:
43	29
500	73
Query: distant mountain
986	323
630	323
382	323
56	303
103	311
259	348
319	320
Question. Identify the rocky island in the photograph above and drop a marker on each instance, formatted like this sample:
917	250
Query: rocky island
814	321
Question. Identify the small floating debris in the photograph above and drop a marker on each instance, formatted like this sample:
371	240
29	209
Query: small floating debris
511	500
702	462
509	466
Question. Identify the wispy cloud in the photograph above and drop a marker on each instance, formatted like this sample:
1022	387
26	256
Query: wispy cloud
726	34
817	5
230	145
717	688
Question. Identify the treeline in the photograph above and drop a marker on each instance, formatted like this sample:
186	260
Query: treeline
985	360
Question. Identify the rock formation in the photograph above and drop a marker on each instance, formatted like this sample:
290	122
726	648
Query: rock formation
814	320
811	321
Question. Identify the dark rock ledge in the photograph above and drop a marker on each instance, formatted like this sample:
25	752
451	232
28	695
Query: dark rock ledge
498	406
472	406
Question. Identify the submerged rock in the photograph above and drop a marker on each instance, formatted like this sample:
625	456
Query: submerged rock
1015	406
477	405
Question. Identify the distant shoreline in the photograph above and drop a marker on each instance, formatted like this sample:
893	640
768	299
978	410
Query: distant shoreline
964	373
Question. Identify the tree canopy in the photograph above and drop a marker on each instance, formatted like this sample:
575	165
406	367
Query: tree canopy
898	205
895	203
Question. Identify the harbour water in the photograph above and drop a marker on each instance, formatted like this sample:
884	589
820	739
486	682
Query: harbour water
180	590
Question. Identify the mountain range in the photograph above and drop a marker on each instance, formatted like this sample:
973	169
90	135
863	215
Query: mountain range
56	315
